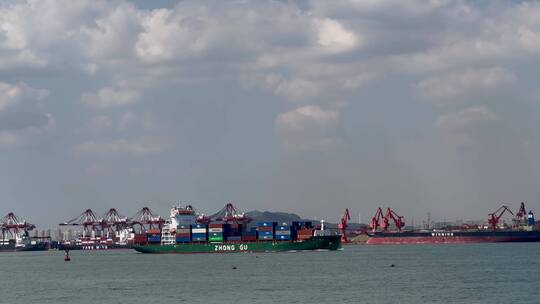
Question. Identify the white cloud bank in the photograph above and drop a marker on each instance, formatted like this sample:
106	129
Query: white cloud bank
307	128
109	97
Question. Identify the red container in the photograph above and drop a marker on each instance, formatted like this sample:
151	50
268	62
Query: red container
267	228
305	232
303	237
140	237
183	235
215	226
249	238
153	231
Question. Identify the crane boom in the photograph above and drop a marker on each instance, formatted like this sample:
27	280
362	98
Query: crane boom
343	225
494	218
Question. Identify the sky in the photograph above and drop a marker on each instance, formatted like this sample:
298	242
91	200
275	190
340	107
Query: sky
308	107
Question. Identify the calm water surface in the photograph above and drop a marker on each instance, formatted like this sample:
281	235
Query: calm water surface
483	273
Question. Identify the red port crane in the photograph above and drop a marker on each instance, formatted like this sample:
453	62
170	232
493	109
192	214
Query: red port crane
145	216
87	219
344	225
229	214
399	221
112	220
376	219
494	217
11	224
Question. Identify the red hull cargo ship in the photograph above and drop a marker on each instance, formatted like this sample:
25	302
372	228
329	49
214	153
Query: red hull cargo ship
523	229
452	237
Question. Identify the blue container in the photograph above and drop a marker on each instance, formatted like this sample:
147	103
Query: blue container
194	235
266	233
234	238
199	226
154	238
266	237
283	237
199	239
283	228
265	224
183	240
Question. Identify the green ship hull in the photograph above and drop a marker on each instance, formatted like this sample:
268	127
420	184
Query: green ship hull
332	242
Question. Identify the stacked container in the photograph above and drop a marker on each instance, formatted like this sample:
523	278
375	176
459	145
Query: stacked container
283	232
140	239
215	232
301	228
250	235
183	234
265	231
153	236
304	233
199	233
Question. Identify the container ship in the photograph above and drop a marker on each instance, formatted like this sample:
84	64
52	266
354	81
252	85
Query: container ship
15	236
22	244
186	232
523	229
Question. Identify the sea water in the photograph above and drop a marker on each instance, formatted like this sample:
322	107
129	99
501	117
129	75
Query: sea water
471	273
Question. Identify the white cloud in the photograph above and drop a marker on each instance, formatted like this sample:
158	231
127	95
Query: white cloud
464	119
307	128
456	84
334	37
12	94
109	97
119	147
529	38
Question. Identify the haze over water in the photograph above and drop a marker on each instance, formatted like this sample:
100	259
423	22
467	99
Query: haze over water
483	273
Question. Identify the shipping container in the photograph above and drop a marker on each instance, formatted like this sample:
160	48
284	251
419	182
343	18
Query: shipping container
183	235
266	233
215	234
199	239
215	229
215	239
183	227
234	238
266	237
266	224
249	238
199	226
283	232
153	231
183	240
283	227
154	239
283	237
266	228
197	235
215	225
198	230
